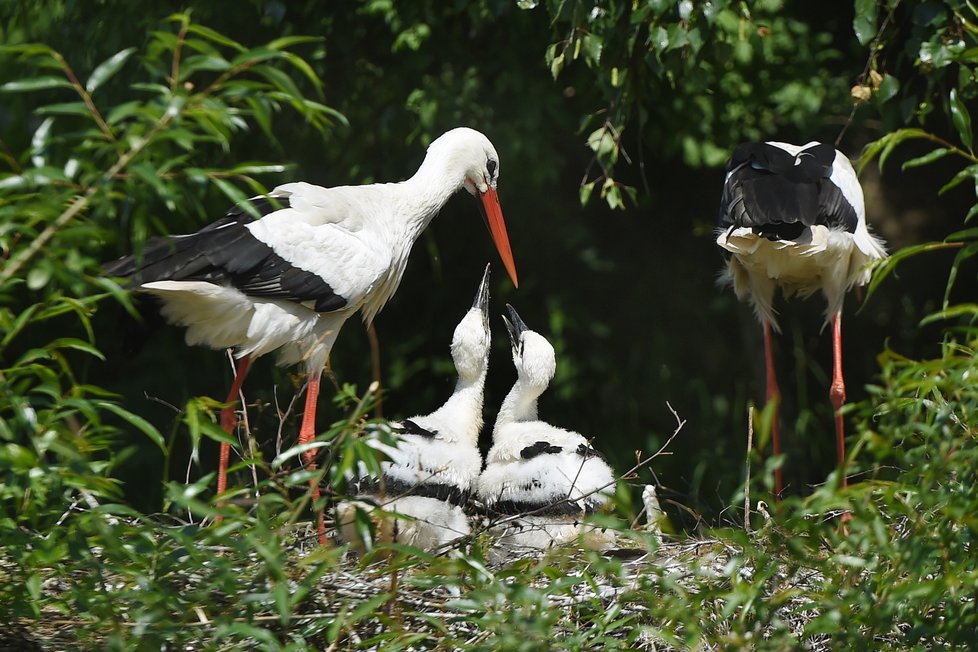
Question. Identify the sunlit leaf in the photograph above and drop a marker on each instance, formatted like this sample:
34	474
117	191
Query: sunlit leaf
35	84
105	70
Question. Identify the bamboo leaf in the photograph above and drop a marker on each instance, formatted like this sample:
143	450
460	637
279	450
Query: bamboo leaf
18	325
215	37
76	344
63	108
288	41
35	84
104	71
970	172
137	421
961	118
888	265
953	312
930	157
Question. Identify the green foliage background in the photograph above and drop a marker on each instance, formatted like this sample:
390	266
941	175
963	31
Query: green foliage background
612	121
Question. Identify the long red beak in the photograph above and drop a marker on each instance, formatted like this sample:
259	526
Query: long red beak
497	228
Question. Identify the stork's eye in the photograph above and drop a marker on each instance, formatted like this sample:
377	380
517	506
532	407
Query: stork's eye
491	166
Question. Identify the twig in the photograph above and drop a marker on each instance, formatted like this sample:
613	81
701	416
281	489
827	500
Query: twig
750	447
80	203
375	358
85	96
869	63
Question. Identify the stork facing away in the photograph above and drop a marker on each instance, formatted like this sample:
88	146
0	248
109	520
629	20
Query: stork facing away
289	281
793	217
540	481
435	461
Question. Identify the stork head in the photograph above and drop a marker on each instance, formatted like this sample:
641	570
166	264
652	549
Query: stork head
470	344
470	152
533	356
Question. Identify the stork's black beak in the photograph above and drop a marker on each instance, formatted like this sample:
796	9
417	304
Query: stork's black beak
514	325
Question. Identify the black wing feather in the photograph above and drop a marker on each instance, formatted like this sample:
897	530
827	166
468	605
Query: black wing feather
778	198
226	253
539	448
408	427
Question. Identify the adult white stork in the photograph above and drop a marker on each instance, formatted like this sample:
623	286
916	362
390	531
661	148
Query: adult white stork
435	461
548	477
794	217
290	280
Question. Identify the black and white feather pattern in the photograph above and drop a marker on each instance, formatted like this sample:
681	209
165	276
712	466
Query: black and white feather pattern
793	217
227	253
549	477
289	281
777	195
433	460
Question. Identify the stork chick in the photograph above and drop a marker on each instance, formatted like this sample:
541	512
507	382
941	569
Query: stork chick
436	460
547	477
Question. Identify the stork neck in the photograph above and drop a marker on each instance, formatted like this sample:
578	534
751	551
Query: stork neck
519	405
462	412
430	188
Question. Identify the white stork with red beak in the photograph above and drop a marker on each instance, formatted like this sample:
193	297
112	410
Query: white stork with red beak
794	217
289	281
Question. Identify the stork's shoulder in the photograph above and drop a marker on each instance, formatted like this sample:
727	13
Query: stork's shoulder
318	205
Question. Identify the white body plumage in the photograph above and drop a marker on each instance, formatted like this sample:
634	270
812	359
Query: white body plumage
540	481
830	254
435	461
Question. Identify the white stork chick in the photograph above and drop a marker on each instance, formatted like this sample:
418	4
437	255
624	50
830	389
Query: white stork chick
289	281
548	477
794	217
436	460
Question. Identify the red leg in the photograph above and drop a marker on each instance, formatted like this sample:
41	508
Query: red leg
306	434
228	422
837	394
773	394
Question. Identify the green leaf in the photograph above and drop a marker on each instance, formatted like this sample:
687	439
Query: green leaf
216	37
38	277
63	108
961	118
889	264
35	84
137	421
22	320
864	22
77	344
231	191
970	172
104	71
960	310
288	41
585	191
593	46
930	157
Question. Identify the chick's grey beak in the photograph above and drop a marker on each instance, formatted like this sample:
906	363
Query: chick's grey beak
482	295
514	325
